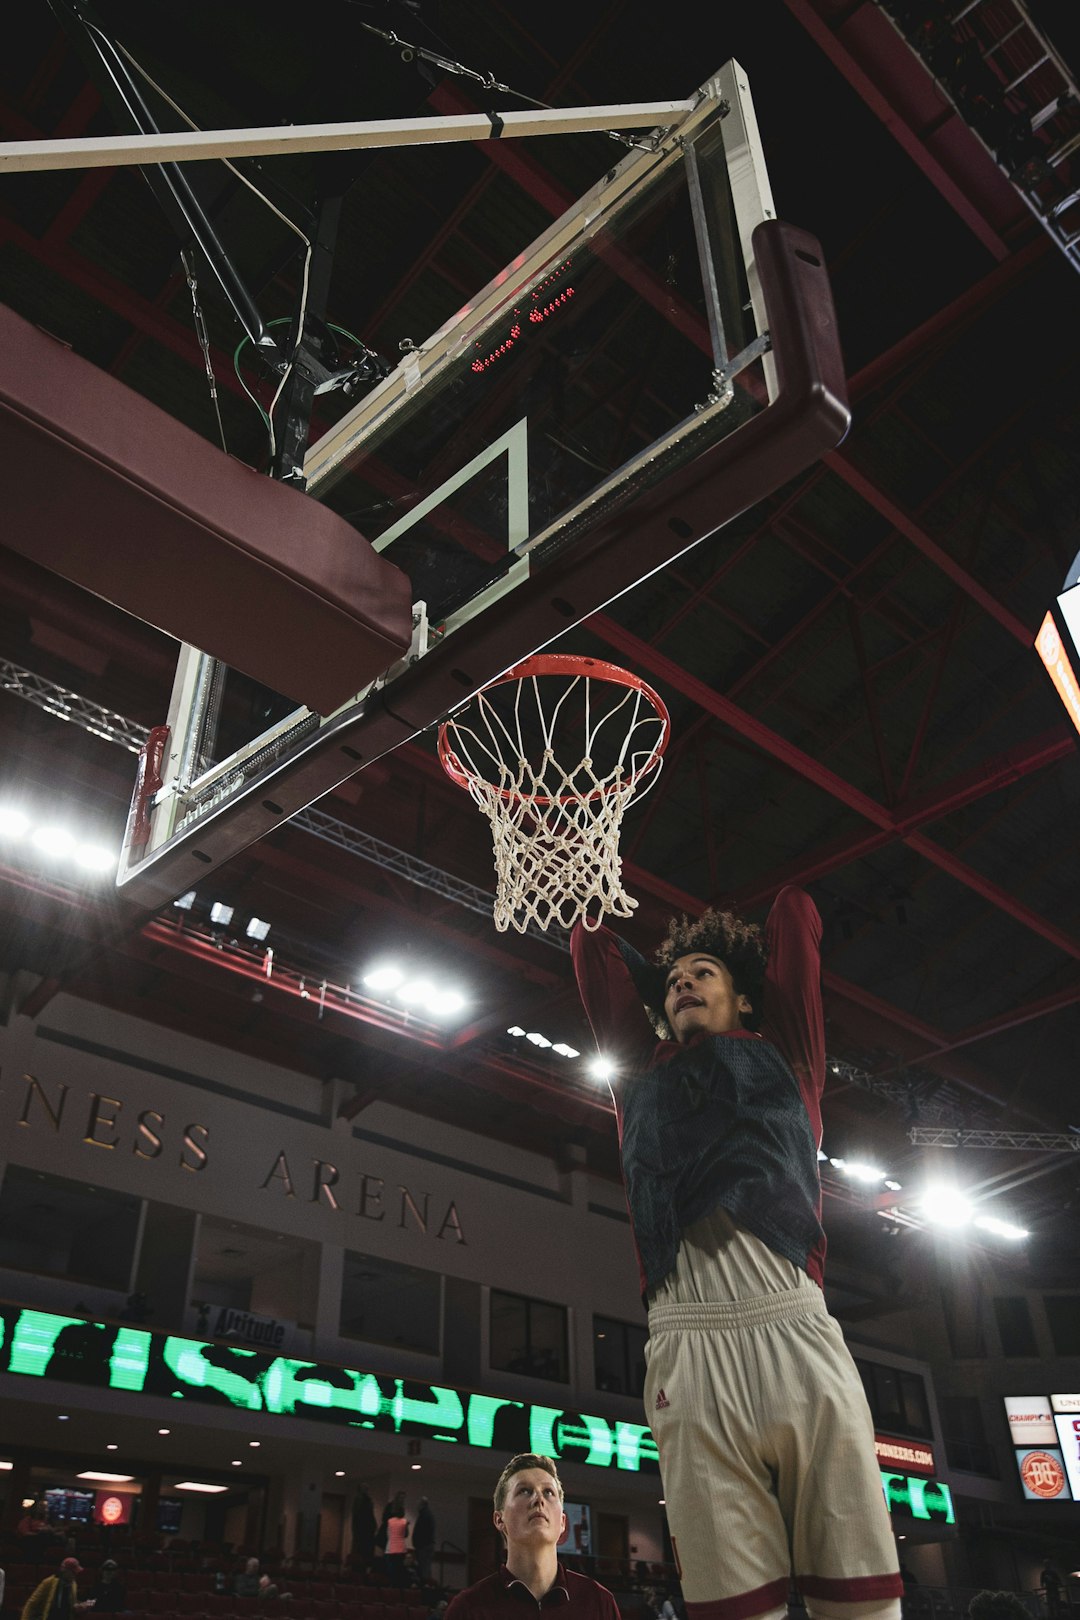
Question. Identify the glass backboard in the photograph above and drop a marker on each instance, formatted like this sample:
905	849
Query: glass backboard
659	360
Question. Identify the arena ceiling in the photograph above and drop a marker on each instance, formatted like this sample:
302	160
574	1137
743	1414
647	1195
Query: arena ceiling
856	701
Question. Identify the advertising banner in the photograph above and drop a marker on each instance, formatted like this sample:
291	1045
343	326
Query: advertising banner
1042	1474
1068	1428
1031	1421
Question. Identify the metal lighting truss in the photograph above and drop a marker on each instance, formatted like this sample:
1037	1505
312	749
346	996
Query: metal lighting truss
1017	1141
1012	88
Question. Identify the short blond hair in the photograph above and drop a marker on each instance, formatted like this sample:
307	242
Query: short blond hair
517	1465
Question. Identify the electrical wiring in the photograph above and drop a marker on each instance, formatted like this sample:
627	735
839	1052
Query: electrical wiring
281	320
267	416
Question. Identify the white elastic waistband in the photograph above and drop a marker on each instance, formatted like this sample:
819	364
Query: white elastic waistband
728	1316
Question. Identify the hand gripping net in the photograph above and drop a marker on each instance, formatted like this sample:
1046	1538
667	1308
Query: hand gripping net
555	827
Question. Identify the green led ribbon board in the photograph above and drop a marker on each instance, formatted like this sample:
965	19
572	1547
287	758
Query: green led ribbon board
39	1344
920	1497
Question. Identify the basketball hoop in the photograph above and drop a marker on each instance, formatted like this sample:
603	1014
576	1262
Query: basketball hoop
555	827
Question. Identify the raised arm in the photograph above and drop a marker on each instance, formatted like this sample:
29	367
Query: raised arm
794	1020
613	981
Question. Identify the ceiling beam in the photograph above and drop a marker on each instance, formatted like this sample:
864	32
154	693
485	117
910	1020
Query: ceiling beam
866	50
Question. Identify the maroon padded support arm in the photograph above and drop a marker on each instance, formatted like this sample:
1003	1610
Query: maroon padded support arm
115	495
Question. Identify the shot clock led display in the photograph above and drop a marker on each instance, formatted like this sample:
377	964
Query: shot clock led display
545	300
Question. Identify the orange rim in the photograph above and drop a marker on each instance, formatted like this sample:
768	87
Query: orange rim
560	664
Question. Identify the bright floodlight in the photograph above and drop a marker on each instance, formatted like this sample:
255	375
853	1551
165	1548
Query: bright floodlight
386	977
414	991
184	902
601	1068
895	1186
1004	1229
515	1029
13	823
256	928
862	1172
537	1039
445	1003
53	840
221	913
944	1206
95	858
564	1050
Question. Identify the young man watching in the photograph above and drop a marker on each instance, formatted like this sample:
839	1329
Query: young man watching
757	1409
529	1516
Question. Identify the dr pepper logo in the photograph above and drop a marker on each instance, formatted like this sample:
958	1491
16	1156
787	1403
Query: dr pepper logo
1042	1474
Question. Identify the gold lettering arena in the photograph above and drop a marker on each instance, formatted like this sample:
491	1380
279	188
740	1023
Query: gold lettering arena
105	1123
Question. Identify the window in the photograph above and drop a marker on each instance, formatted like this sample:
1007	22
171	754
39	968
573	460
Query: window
61	1228
897	1399
387	1303
1014	1326
1063	1315
528	1336
965	1435
619	1356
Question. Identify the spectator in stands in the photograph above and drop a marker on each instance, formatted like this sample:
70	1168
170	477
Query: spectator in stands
1051	1584
990	1605
57	1596
529	1516
423	1540
34	1528
269	1589
246	1583
397	1537
109	1591
363	1527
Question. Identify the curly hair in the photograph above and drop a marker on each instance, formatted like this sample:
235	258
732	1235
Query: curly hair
739	944
992	1605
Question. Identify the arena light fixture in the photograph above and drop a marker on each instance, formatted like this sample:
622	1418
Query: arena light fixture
13	823
564	1050
386	977
946	1206
859	1171
198	1485
95	857
257	928
414	991
106	1479
516	1030
445	1003
221	913
184	902
537	1039
1004	1229
53	840
601	1068
6	1467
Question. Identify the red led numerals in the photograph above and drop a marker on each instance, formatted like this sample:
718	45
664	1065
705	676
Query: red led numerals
544	303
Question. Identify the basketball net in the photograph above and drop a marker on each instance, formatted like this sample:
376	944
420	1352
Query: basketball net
555	824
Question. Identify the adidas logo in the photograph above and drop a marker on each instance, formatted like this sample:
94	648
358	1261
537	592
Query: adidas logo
662	1401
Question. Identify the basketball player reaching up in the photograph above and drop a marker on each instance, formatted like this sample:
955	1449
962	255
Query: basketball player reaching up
765	1438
